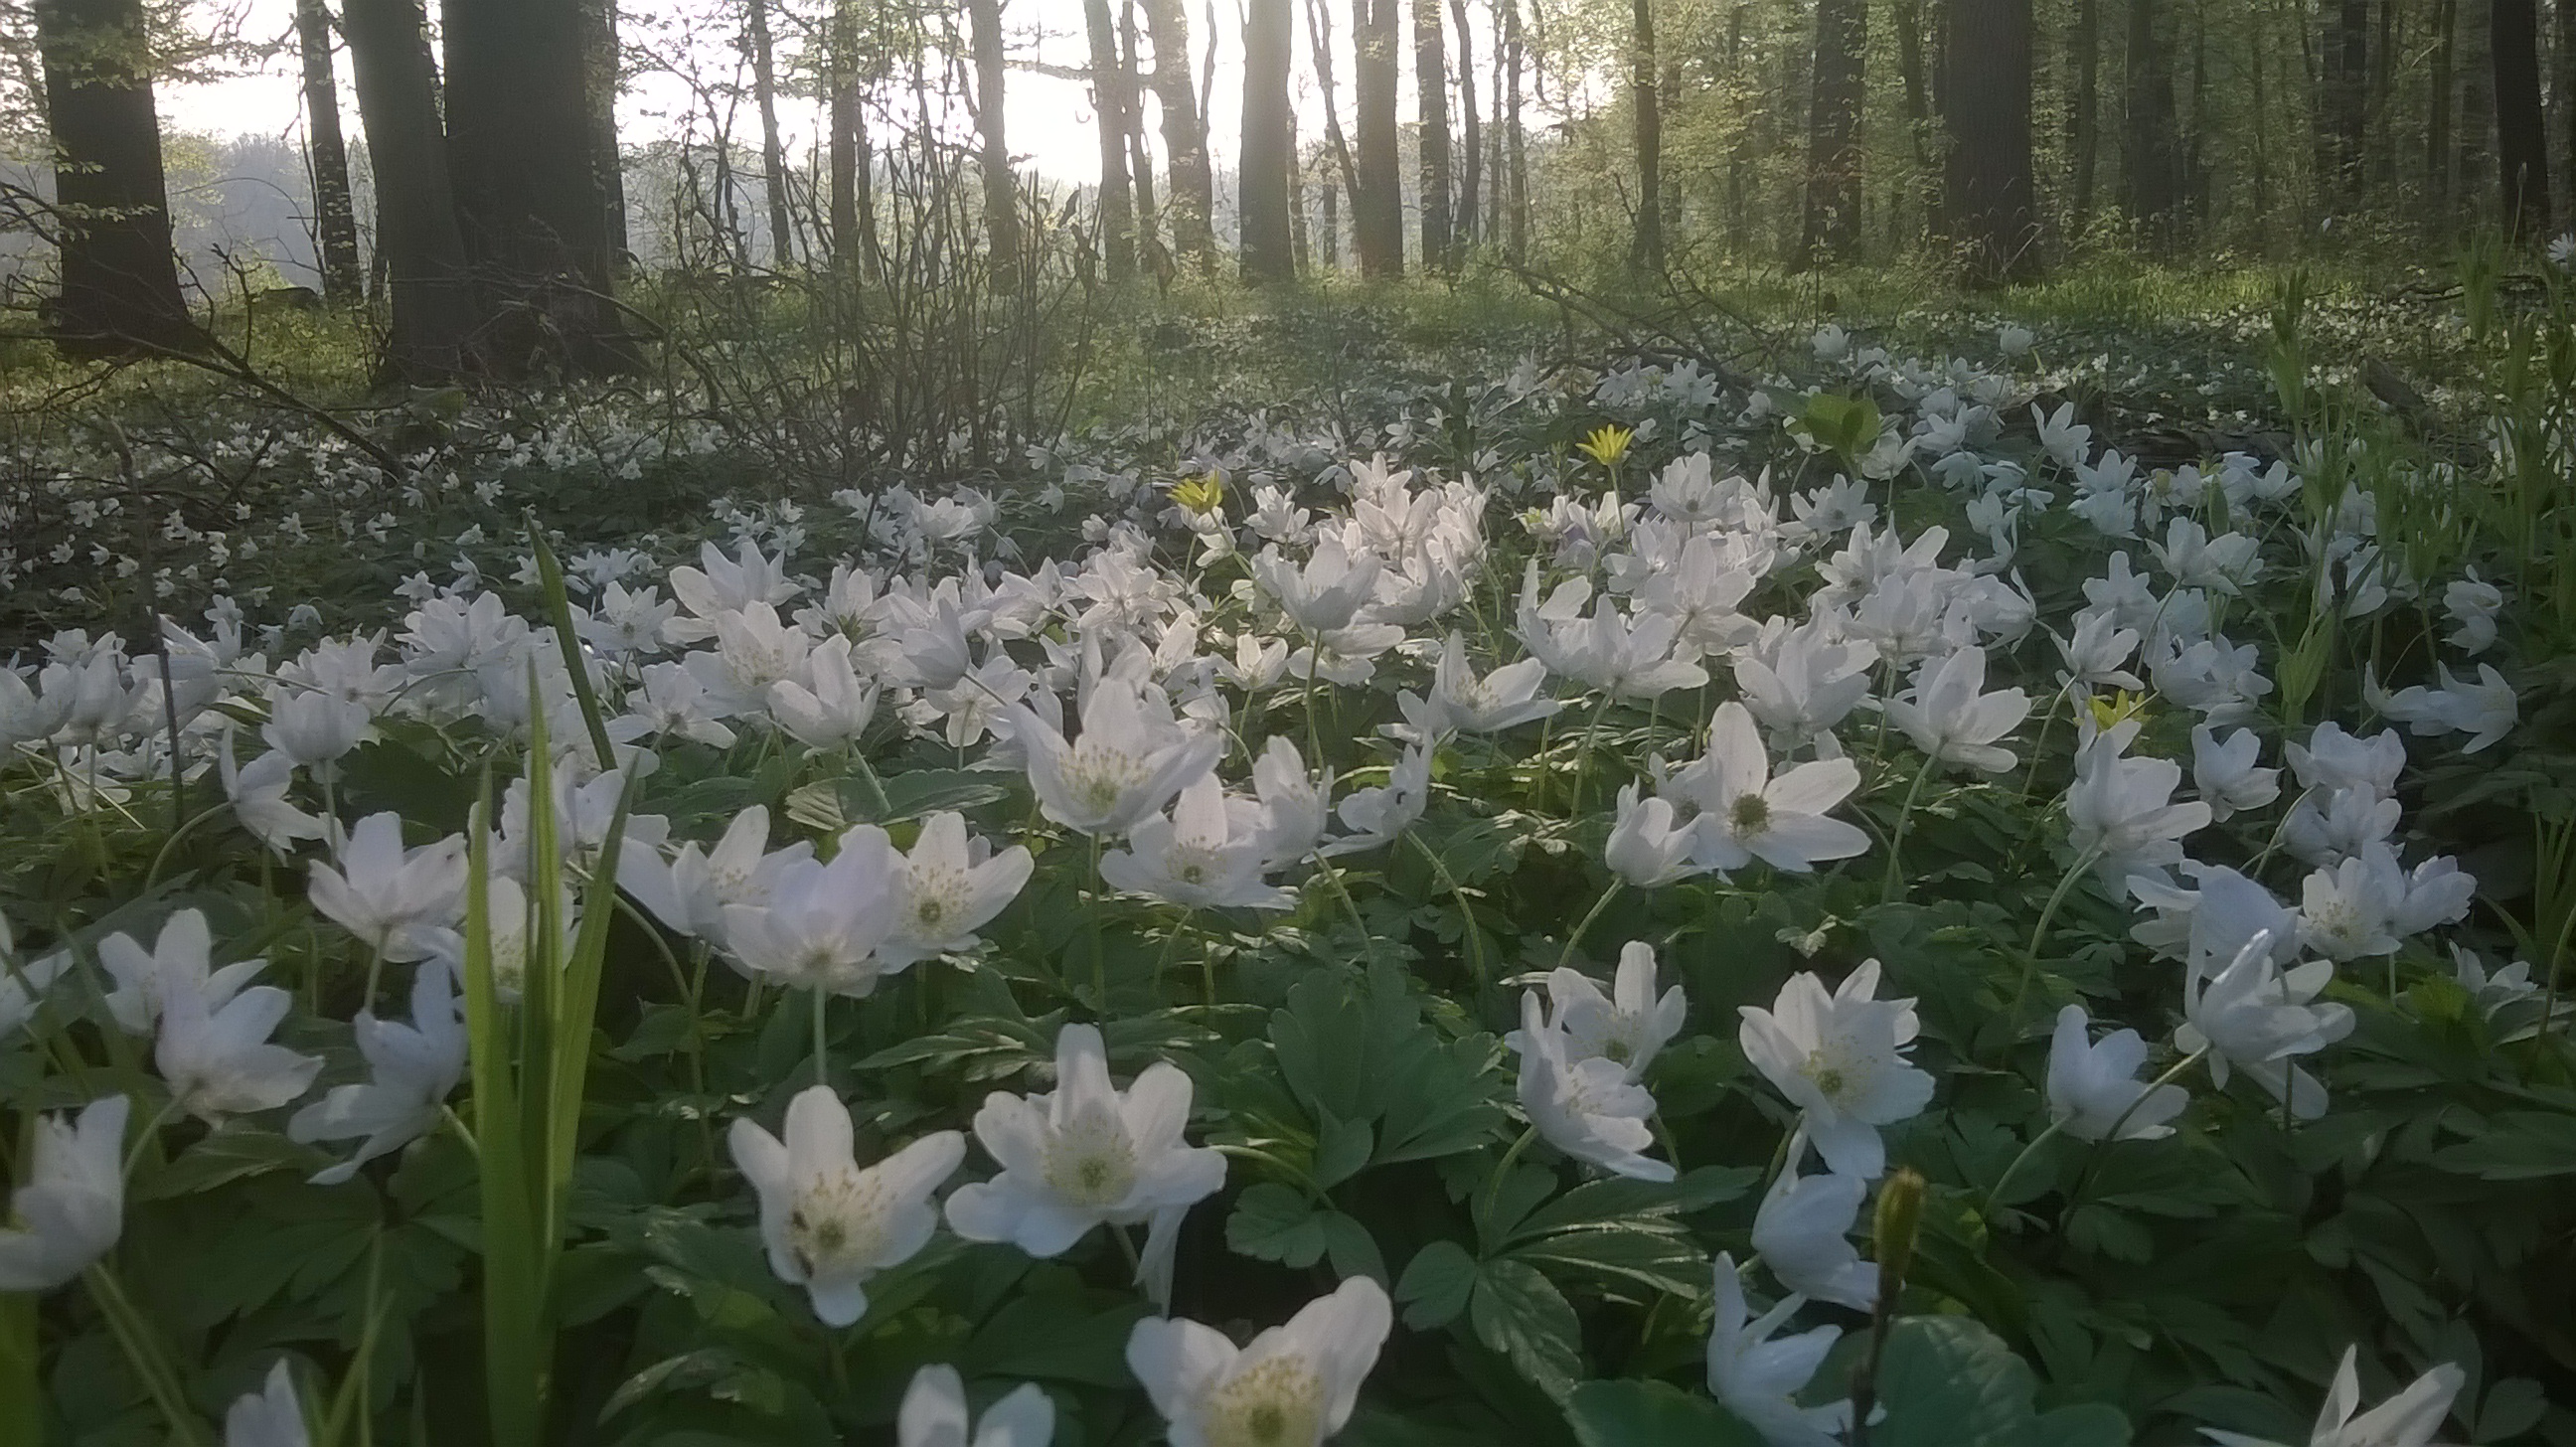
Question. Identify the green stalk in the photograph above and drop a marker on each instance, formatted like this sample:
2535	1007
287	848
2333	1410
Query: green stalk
22	1389
2038	935
514	1349
143	1351
559	611
1566	959
1887	888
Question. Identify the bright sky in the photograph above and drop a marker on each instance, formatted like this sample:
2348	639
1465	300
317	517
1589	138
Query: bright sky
1051	122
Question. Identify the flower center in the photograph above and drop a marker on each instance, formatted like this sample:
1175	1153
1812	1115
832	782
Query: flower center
1278	1403
837	1223
1092	1163
1750	815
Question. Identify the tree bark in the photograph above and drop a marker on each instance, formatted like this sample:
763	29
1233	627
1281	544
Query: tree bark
2475	65
1110	99
2345	116
1471	131
2150	161
1912	75
1431	94
1988	192
1377	203
119	289
335	220
853	232
773	155
1268	254
436	315
1515	141
2437	118
519	146
1193	198
2566	87
2522	130
1140	155
1332	228
1831	226
2085	132
1001	190
606	73
1646	243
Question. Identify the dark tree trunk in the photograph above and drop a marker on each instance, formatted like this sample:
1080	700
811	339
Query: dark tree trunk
1739	156
853	229
2085	132
1471	130
1319	34
1431	94
2475	64
1140	155
1911	74
2437	118
1110	99
2151	159
773	155
2567	109
120	281
1831	226
519	151
1293	178
335	220
1001	190
1988	193
2522	131
2345	116
1646	244
436	315
607	70
1515	142
1268	253
1377	203
1193	198
1332	227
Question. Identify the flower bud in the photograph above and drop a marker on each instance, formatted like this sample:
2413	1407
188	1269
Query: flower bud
1900	1215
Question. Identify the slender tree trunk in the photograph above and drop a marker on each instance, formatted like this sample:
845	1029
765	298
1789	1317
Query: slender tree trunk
2437	118
2522	131
1001	190
436	315
119	291
1140	154
1431	95
2346	111
1471	132
1739	154
1332	227
1193	199
773	155
1515	141
2150	160
2085	135
1295	180
1989	195
1377	203
335	221
1267	252
1110	99
1922	180
2195	173
2381	148
519	148
1319	36
1646	243
1831	226
2476	125
853	244
1493	225
2567	109
605	69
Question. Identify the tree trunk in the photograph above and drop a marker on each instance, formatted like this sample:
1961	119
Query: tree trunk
2522	131
2345	115
519	151
1831	226
1431	93
1515	142
1140	155
773	155
1739	154
120	281
606	73
1268	254
1319	35
853	234
1293	177
1377	204
1646	243
335	221
2567	109
1471	131
2150	159
1001	190
436	315
2475	65
1110	99
1988	192
1332	226
1910	72
1193	198
2085	132
2437	118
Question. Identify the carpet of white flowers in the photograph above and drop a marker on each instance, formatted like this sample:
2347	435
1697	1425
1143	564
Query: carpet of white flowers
1650	907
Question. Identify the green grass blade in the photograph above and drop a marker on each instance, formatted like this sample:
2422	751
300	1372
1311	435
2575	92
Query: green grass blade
550	581
570	1070
22	1394
515	1350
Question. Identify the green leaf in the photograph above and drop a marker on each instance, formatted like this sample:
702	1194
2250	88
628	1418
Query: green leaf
1272	1222
1436	1285
2518	1146
1652	1414
1518	1312
1947	1381
1362	1055
1342	1147
1352	1249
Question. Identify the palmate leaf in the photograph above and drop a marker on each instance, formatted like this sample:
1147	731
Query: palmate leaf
1652	1414
1949	1382
1518	1312
1367	1055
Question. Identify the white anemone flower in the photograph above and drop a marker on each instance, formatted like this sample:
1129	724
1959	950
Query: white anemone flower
269	1417
1196	856
828	1224
1460	702
1759	1379
934	1414
71	1207
1840	1059
415	1067
215	1053
1087	1154
1587	1108
181	958
822	924
2093	1087
1627	1027
2255	1017
1647	848
1951	717
953	885
390	897
1380	812
1291	1386
1130	761
1745	813
1802	1231
2408	1419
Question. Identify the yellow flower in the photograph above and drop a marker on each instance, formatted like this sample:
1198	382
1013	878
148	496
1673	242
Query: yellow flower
1607	444
1201	495
2121	707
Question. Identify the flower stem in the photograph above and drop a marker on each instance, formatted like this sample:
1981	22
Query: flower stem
1503	1168
822	1051
2093	1163
1887	889
1583	755
1475	941
2039	935
142	1349
1099	947
1986	1207
1566	959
